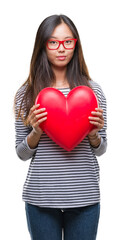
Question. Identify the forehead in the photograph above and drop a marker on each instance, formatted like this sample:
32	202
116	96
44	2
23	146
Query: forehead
62	31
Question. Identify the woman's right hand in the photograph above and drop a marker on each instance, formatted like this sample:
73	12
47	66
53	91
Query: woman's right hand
35	117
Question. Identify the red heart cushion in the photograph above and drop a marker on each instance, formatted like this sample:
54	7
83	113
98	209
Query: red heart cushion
67	121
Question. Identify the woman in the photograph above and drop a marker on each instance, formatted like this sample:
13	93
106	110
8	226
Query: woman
62	188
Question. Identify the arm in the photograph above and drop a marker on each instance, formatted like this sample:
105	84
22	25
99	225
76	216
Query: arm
98	137
98	121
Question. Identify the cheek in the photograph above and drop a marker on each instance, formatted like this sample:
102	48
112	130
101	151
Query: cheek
51	56
70	55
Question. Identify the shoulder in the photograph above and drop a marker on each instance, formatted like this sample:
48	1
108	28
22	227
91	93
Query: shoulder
95	85
98	90
20	94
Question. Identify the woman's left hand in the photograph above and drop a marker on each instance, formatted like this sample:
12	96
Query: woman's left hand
97	120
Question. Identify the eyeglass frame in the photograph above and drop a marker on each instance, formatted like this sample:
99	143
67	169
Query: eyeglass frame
61	42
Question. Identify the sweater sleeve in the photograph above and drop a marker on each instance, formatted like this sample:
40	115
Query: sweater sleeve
22	148
101	149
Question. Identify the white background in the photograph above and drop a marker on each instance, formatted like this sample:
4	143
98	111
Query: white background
98	23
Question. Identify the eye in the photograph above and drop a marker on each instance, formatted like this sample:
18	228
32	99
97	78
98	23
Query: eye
68	42
52	42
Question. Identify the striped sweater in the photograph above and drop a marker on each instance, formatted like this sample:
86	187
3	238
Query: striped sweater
57	178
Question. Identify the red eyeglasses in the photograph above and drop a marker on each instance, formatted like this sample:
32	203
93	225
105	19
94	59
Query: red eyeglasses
53	44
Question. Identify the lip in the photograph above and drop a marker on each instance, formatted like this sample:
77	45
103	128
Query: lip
61	58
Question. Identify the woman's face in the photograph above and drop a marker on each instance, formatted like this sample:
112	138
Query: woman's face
61	56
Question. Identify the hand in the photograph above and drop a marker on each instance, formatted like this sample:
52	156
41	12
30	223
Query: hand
35	117
97	120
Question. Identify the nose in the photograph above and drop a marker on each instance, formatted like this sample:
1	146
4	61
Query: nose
61	48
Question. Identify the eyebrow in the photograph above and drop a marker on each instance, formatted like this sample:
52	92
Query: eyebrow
64	38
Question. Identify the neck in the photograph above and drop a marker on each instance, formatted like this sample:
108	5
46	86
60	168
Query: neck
60	77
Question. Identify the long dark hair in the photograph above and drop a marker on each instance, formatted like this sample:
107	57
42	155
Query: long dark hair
41	74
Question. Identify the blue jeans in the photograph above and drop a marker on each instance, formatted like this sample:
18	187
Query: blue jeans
78	223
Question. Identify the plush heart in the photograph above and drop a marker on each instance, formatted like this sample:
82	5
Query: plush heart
67	121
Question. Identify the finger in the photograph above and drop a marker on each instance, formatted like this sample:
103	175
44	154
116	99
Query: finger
98	114
39	110
97	124
33	120
96	119
38	116
34	107
99	110
35	113
36	124
42	120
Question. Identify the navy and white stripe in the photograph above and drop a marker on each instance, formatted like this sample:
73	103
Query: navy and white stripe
57	178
